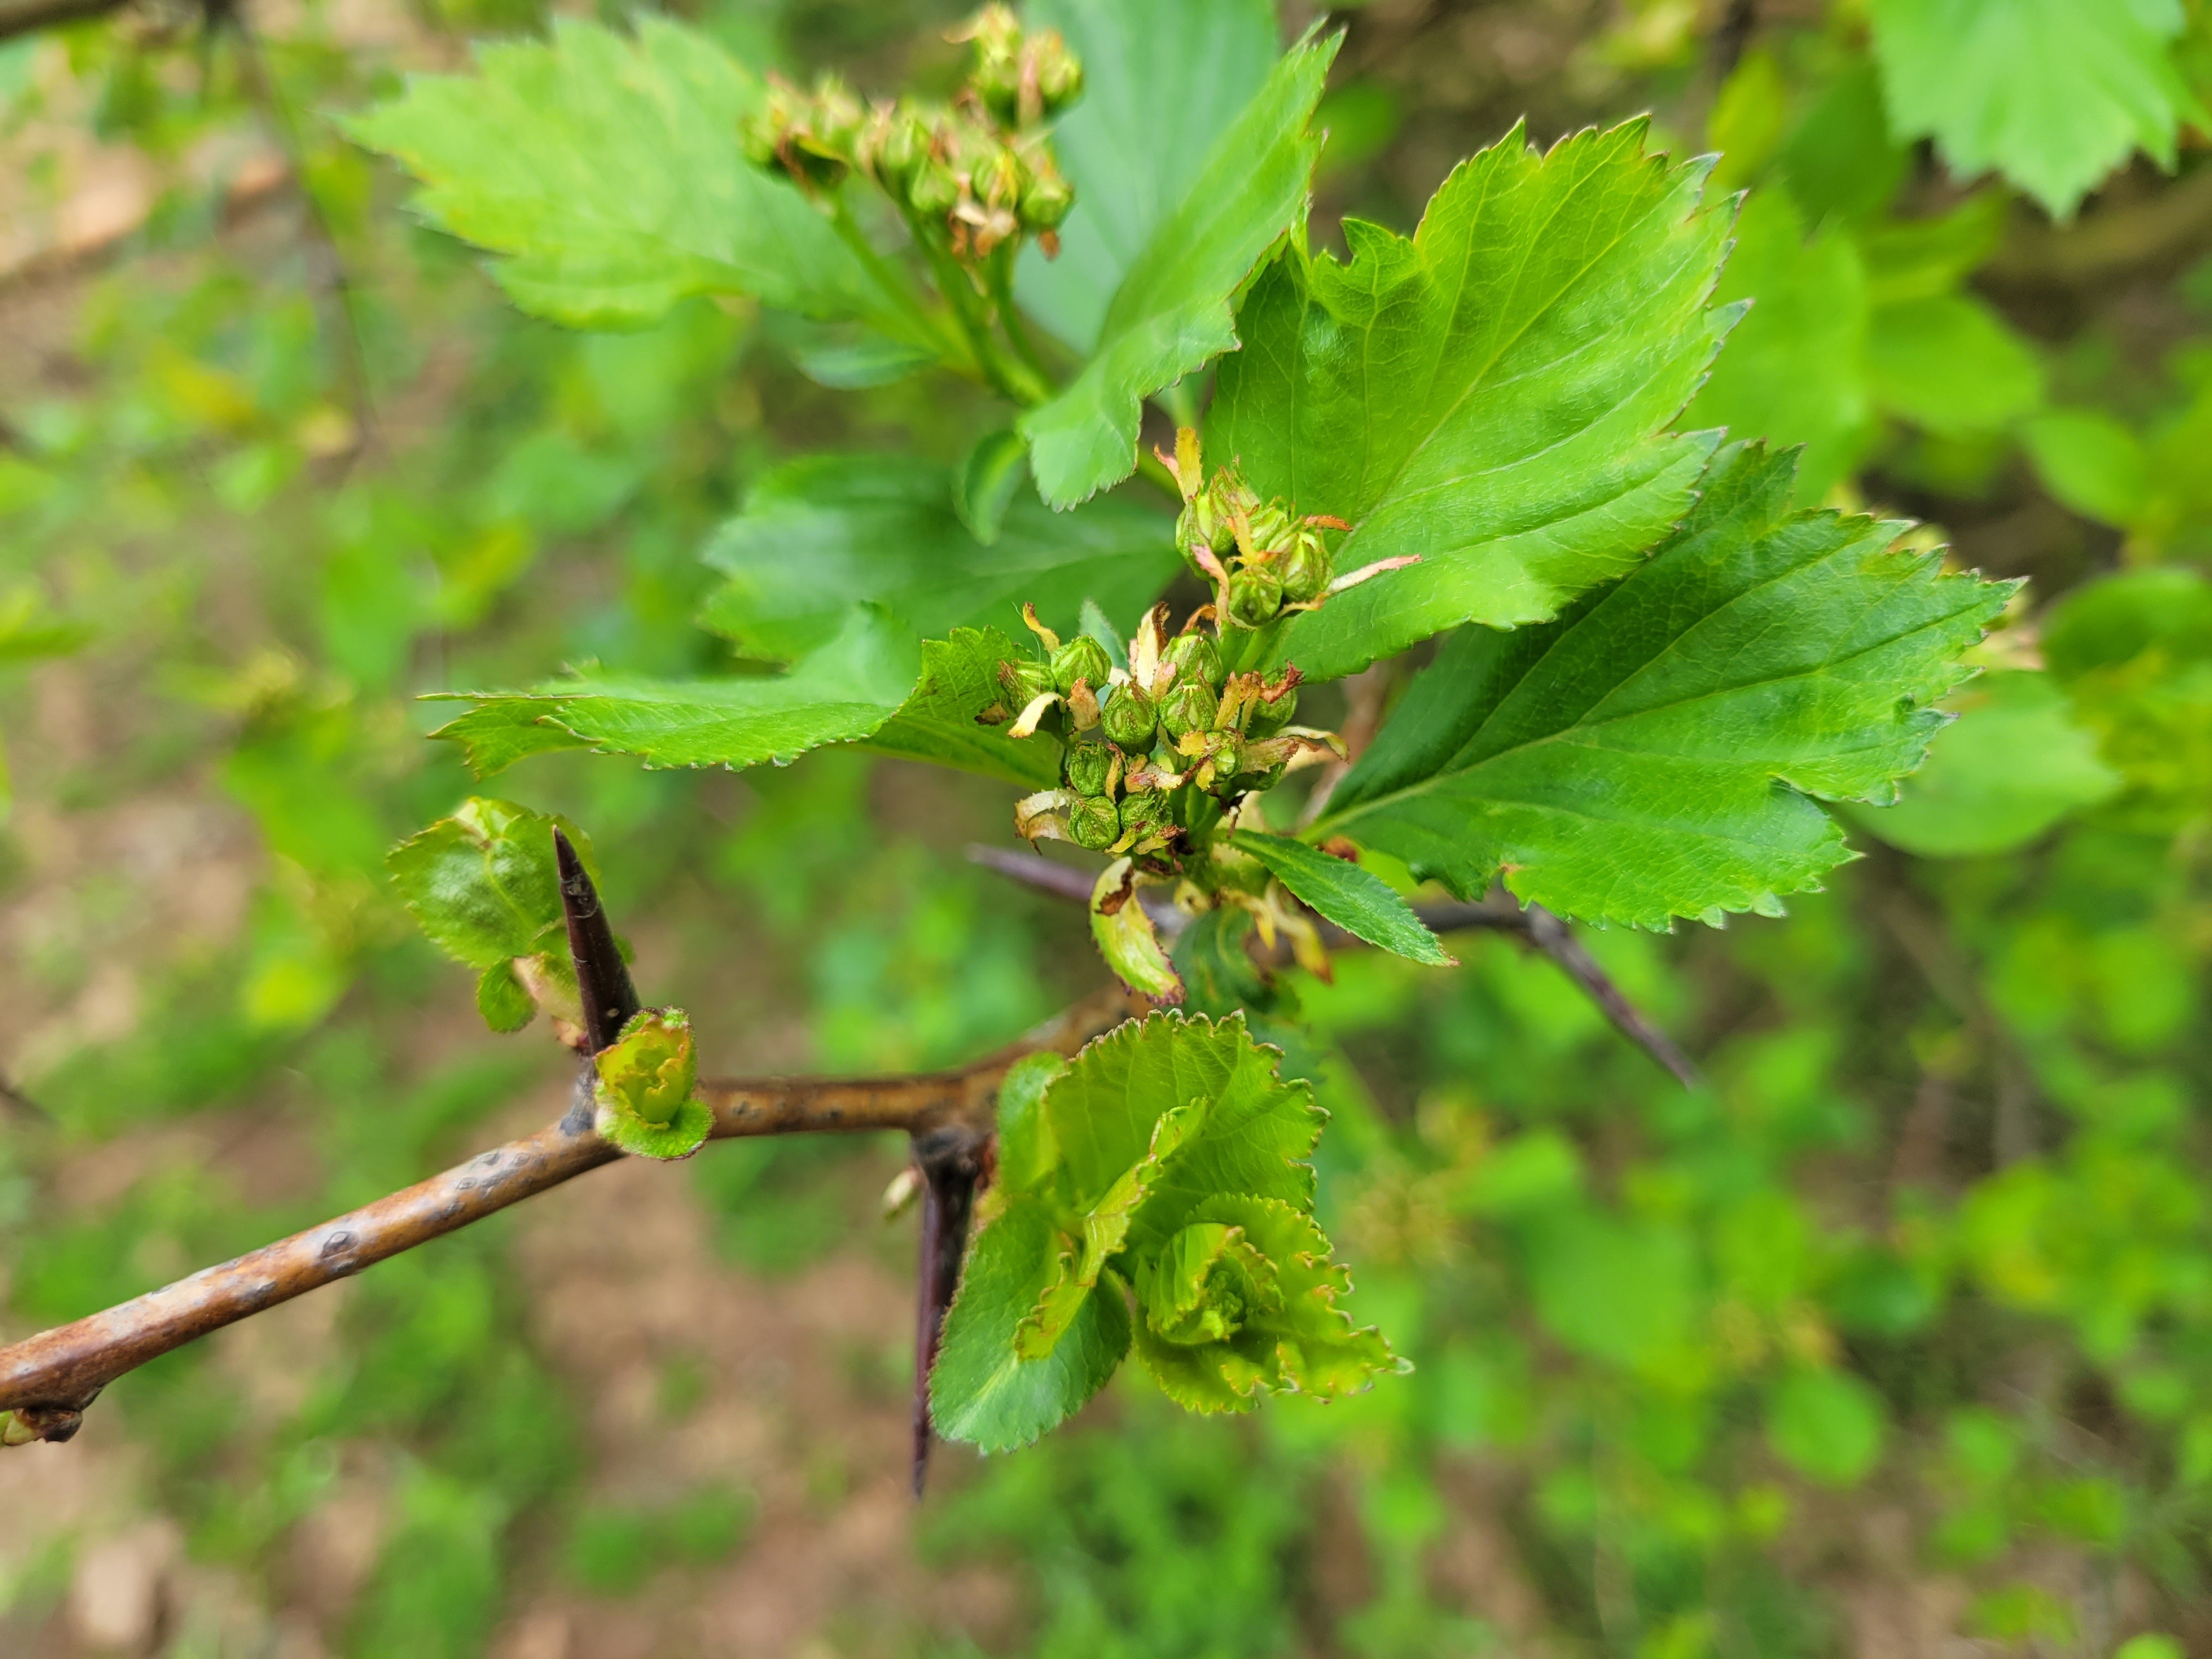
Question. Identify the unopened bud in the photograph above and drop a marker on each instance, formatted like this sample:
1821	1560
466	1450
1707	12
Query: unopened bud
997	182
1144	812
1196	658
1047	198
1090	769
1268	718
1026	680
1254	596
1190	706
1270	529
1228	757
1096	822
1081	659
1129	720
1059	72
1308	570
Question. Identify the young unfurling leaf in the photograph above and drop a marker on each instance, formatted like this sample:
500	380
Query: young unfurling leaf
645	1087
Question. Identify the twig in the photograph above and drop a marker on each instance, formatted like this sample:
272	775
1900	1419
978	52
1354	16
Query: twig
953	1160
24	1105
1733	35
21	16
54	1376
1539	926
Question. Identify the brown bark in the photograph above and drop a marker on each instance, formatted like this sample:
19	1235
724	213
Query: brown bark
49	1379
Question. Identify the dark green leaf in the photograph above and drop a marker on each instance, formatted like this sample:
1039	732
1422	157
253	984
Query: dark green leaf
983	485
1657	753
1342	892
1492	396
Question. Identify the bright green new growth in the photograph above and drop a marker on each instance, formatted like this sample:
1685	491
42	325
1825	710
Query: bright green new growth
1492	395
1119	1166
644	1087
482	885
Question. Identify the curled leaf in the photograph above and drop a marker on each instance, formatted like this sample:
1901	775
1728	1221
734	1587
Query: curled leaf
1125	937
645	1085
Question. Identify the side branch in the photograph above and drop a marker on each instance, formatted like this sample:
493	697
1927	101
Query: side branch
48	1380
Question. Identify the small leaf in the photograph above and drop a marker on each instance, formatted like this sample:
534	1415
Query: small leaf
984	1390
671	1142
820	533
1123	930
1658	751
644	1087
606	171
983	485
483	883
1353	898
844	690
1171	313
1826	1424
503	999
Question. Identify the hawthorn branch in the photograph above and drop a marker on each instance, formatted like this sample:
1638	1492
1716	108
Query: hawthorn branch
21	16
1538	926
49	1380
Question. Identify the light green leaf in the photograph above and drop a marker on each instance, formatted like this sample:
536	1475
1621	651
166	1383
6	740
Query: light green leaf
983	1388
1826	1425
483	885
2053	94
607	172
1028	1154
1353	898
1493	396
2013	765
503	1000
1252	1136
644	1086
822	532
1794	370
1658	751
1245	1299
1950	363
2092	462
1162	81
1122	930
938	722
1171	314
1624	1293
845	689
983	484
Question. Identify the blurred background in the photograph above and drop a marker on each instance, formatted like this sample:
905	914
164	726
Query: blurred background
1895	1339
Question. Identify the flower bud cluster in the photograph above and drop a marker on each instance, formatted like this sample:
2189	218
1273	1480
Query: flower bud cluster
1153	749
979	168
1264	560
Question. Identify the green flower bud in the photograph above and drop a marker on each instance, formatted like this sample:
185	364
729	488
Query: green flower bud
1197	659
933	190
899	149
1308	570
1096	822
1144	812
1190	706
1081	658
1270	529
1059	72
1026	680
1268	718
1047	198
997	182
1088	766
1254	596
650	1069
1228	757
1129	720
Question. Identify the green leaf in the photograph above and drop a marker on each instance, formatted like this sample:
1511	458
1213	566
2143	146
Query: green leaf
1162	81
686	1131
1171	313
1245	1299
644	1087
503	1000
1623	1292
2014	764
1218	972
1492	396
1353	898
2053	94
1794	370
1255	1133
1826	1425
607	172
983	484
483	885
1122	930
1657	753
1028	1154
1950	363
937	723
845	690
985	1391
821	534
2092	462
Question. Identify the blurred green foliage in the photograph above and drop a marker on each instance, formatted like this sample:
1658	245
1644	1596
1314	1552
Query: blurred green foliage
1934	1242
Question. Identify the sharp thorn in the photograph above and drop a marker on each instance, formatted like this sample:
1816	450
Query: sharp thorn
603	980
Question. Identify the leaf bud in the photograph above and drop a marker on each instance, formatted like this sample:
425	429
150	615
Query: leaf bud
1268	718
1130	719
1308	570
650	1069
1090	769
1081	659
1094	823
1190	706
1254	596
1196	658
